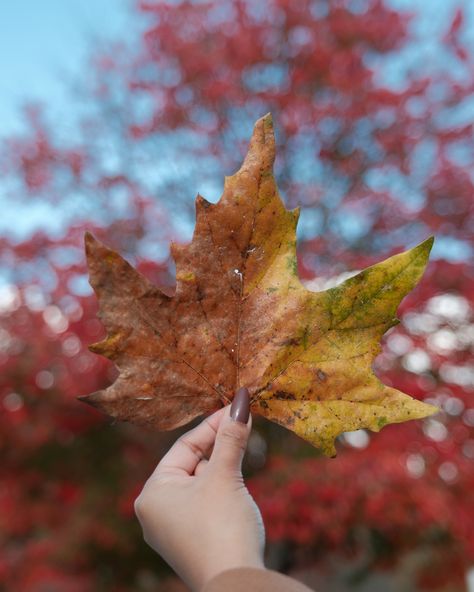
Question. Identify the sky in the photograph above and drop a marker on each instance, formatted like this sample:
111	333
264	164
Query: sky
43	45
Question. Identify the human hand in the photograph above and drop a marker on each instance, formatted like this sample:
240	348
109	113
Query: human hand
197	513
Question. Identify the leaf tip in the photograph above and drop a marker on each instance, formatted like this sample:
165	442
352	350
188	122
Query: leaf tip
425	247
93	399
428	243
89	238
261	151
296	214
91	244
202	203
419	409
431	409
421	254
268	120
264	127
96	348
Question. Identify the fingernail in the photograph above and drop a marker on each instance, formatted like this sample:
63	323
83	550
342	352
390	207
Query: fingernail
240	408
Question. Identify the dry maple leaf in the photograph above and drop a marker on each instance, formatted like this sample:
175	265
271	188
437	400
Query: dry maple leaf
241	317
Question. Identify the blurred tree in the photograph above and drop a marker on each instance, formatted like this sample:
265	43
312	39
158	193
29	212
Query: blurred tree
376	169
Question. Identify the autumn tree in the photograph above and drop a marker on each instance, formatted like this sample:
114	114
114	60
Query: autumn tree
376	167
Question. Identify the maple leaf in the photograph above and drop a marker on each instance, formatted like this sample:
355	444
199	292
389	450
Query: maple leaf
241	317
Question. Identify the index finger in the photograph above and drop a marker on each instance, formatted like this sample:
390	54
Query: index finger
185	454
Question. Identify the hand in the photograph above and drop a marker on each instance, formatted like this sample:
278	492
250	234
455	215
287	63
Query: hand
197	513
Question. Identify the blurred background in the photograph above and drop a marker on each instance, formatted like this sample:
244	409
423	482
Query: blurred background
114	114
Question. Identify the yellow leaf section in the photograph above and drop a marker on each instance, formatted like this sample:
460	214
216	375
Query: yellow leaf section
320	422
321	382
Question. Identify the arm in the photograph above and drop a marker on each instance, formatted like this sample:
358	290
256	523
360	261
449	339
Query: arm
198	514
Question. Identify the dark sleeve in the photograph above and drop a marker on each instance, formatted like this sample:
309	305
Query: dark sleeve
250	579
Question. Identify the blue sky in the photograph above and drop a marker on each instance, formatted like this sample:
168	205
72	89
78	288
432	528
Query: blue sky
43	44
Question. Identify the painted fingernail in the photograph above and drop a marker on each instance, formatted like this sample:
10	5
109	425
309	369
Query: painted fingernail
240	408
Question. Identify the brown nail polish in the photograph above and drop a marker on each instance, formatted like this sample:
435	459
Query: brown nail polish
240	408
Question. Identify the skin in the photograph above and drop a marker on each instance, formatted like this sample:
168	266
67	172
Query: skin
195	510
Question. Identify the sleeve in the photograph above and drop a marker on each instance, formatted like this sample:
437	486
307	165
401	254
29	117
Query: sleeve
244	579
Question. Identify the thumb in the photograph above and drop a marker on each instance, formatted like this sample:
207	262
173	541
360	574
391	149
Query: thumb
232	435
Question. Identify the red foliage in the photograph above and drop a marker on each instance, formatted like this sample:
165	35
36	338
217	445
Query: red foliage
375	169
38	161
